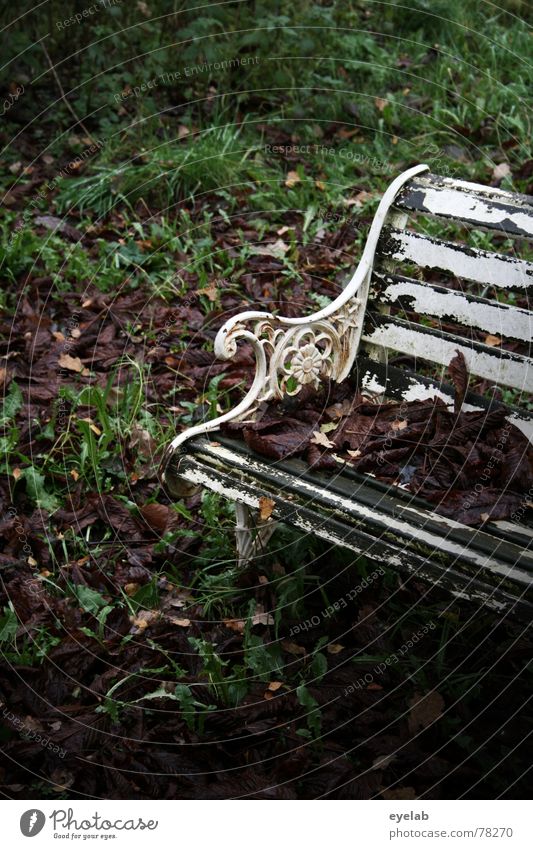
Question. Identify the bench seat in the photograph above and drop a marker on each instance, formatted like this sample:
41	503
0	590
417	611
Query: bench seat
413	302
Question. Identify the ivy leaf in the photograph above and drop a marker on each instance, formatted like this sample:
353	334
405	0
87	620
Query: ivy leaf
12	402
36	490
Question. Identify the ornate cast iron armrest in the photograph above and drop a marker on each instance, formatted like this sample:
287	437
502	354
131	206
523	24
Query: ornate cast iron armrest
291	352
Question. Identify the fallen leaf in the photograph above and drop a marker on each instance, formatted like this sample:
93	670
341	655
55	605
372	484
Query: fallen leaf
400	793
155	515
261	617
492	340
92	426
320	185
293	648
237	625
399	424
383	761
72	364
275	685
266	506
183	623
459	375
320	438
380	103
335	648
424	710
292	178
278	249
500	171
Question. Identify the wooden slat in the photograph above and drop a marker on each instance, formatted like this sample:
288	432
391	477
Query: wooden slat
401	537
502	320
490	269
469	203
399	384
414	340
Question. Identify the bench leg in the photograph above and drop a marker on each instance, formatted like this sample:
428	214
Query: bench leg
251	533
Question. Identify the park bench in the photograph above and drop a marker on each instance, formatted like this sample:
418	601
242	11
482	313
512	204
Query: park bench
365	328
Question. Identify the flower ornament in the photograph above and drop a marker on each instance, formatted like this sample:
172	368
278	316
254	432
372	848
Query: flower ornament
306	364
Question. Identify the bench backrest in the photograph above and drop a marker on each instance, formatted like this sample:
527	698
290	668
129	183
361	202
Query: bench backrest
432	297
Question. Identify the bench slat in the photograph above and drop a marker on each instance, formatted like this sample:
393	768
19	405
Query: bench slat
504	272
463	202
399	384
414	340
403	537
501	320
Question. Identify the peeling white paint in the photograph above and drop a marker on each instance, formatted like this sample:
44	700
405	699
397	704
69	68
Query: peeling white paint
500	320
480	266
502	368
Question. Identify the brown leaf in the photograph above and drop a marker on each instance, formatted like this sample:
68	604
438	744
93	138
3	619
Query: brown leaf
293	648
155	515
500	171
492	340
459	375
424	710
320	438
292	178
266	506
72	364
380	103
275	685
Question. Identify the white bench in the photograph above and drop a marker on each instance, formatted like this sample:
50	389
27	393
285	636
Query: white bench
363	328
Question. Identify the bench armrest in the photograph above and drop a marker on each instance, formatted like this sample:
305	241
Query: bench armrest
291	352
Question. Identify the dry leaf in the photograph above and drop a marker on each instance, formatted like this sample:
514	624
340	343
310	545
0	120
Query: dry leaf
400	793
492	340
383	761
335	648
183	623
320	438
320	185
155	515
260	617
72	364
278	249
183	131
275	685
131	589
92	426
292	178
16	473
399	424
500	171
380	103
354	454
237	625
266	506
74	474
424	710
293	648
459	375
282	230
